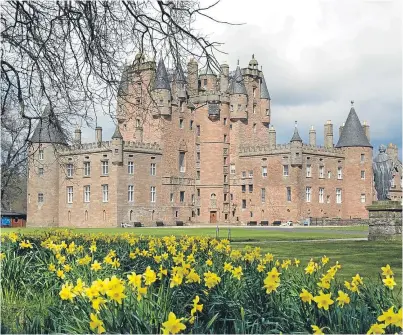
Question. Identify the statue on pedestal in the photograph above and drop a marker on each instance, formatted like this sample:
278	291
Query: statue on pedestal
383	168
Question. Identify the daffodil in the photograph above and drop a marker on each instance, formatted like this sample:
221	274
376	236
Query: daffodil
306	296
173	325
323	300
377	328
389	317
211	279
96	325
96	266
66	292
389	282
343	298
317	330
196	306
386	270
149	276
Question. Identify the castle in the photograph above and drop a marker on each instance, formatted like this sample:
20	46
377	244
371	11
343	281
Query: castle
199	149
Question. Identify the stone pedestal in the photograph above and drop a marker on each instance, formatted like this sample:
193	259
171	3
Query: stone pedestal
385	220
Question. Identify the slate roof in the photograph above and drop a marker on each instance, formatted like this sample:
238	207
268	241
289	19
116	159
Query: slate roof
124	82
264	92
353	134
161	77
179	75
117	133
213	109
49	130
295	136
237	85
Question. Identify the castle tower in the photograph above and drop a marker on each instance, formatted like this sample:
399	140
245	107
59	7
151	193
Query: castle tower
328	136
193	77
238	97
180	83
77	136
224	78
356	177
162	90
43	171
296	147
272	137
208	79
117	147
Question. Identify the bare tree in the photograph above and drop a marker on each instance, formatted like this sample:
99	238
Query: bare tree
69	55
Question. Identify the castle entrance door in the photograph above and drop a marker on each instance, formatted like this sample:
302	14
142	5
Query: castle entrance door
213	217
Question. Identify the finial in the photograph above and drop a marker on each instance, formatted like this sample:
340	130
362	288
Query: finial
352	103
238	62
253	56
296	124
312	128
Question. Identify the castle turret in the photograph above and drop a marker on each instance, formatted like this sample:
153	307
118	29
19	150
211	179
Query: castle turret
98	135
77	136
356	169
296	147
272	137
238	96
224	78
207	79
312	137
193	77
264	101
117	147
328	136
180	82
162	90
43	171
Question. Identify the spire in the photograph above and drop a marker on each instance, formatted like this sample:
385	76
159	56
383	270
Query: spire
237	85
49	130
353	134
295	136
264	92
179	76
117	133
124	82
161	77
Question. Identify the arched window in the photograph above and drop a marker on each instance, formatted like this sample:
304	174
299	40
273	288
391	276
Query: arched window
131	215
86	215
213	196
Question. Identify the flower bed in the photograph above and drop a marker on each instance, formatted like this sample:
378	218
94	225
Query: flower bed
135	284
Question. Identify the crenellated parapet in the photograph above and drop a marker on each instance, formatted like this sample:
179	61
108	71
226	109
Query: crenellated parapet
142	147
85	148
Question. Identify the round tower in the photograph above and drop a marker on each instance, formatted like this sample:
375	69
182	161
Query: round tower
238	97
192	77
43	171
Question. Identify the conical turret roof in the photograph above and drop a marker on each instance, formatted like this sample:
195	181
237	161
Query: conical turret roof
49	130
264	92
295	136
237	84
353	134
179	75
161	77
117	133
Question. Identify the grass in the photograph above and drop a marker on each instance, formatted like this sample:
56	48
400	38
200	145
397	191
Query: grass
245	234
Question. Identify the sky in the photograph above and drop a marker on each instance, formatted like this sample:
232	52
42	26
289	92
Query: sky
317	56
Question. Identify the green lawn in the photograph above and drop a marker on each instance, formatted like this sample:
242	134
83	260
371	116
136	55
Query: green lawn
246	234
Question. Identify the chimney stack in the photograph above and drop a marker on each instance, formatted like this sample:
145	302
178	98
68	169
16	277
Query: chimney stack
365	127
328	138
77	136
98	135
224	78
193	77
272	137
312	137
341	129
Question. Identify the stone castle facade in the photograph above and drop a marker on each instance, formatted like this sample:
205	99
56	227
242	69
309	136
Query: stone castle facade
199	149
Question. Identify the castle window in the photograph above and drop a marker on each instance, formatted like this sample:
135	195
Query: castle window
308	194
225	178
362	158
40	154
86	215
105	193
125	126
198	175
308	171
104	215
182	196
264	171
231	197
153	193
225	197
138	123
321	195
230	127
231	108
131	215
191	125
250	188
250	173
285	170
225	160
193	199
254	125
232	169
267	112
69	216
130	167
69	194
254	109
251	214
225	121
105	168
205	82
328	199
198	192
70	170
225	138
254	92
243	188
40	171
363	198
362	174
239	107
176	214
198	130
338	195
87	193
329	174
40	198
263	195
182	163
243	174
181	123
339	173
87	169
321	171
153	169
130	193
198	211
171	197
288	193
198	156
243	203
